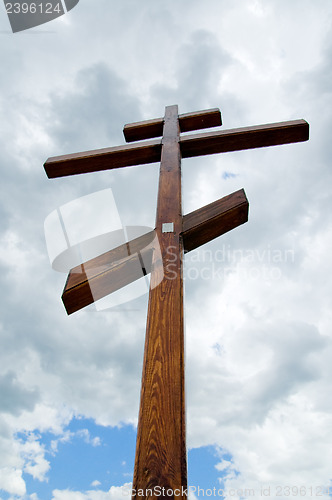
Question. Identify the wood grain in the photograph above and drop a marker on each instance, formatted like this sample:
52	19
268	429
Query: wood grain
215	219
108	272
188	121
103	159
161	447
259	136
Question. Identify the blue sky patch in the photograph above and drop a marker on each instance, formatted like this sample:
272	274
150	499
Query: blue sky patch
228	175
87	455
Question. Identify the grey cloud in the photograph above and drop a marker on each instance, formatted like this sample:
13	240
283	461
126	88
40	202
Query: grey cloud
200	64
295	349
14	398
73	121
255	369
93	113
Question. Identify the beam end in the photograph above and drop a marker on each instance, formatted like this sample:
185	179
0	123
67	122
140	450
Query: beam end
215	219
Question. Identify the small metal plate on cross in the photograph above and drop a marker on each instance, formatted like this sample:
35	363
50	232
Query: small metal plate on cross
168	227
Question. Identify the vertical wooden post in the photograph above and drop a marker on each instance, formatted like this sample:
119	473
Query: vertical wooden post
161	462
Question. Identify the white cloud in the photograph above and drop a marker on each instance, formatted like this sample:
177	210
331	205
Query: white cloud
258	343
11	481
114	493
85	434
33	453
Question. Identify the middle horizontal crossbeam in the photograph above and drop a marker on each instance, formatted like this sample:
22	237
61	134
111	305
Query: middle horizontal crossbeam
220	141
258	136
126	155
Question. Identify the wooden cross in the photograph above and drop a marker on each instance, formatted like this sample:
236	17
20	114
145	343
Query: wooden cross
161	462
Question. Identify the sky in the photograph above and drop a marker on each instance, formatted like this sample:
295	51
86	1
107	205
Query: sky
257	300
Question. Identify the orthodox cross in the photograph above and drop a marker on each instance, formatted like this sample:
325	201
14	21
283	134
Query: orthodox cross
160	460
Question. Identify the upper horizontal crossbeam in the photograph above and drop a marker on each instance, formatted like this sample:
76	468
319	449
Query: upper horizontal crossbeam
188	121
220	141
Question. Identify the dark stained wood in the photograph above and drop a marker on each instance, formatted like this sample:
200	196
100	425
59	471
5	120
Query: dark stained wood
215	219
103	159
188	121
259	136
161	447
114	278
121	266
147	129
194	145
200	119
108	272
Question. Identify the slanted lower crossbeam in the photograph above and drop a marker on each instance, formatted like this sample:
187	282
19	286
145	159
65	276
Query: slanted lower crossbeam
121	266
